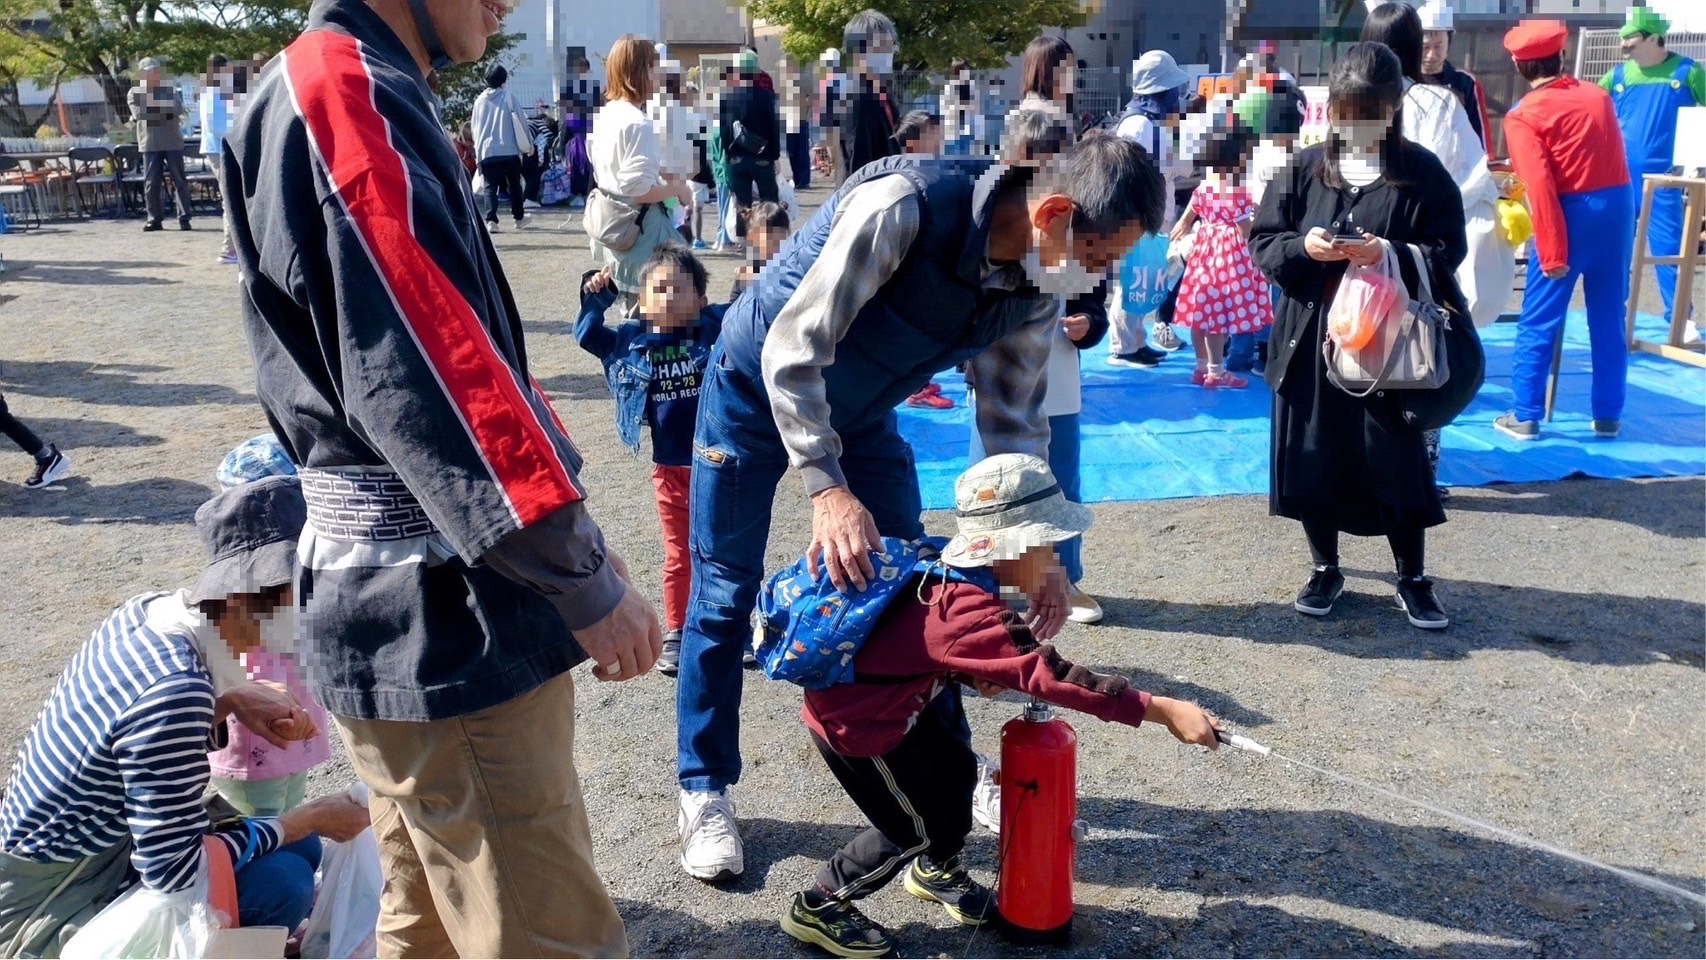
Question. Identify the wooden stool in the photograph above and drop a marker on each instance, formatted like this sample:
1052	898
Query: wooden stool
1694	193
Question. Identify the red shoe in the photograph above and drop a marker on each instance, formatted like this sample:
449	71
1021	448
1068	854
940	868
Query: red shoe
1225	381
933	401
932	387
1197	377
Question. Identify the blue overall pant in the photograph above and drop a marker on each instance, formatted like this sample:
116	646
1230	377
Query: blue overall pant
1647	112
738	459
1593	222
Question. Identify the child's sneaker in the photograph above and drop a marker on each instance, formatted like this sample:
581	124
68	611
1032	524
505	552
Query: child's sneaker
835	925
986	796
948	884
931	398
1224	381
669	661
1162	336
1198	377
49	468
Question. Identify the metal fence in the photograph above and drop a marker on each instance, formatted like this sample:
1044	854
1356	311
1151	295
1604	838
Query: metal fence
1598	51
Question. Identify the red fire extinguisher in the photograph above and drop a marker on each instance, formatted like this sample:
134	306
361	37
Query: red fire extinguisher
1040	828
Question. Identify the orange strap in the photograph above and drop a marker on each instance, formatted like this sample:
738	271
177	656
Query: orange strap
221	880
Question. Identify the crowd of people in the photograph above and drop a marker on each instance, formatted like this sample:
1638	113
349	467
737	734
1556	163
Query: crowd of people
416	522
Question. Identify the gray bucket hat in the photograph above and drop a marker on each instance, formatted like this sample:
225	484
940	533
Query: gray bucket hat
1005	505
1157	72
250	534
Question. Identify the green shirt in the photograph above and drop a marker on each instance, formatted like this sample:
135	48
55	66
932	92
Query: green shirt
1663	72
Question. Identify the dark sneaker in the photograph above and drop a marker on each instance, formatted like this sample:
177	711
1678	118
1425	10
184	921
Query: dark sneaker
1416	598
1321	592
152	226
1510	426
48	469
1142	357
669	662
1607	429
948	884
836	926
184	223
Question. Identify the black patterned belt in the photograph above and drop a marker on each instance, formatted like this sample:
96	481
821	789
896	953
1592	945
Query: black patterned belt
366	505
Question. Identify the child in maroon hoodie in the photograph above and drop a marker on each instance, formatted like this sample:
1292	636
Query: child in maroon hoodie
905	762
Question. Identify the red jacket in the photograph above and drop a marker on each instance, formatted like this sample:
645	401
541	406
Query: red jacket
1563	139
959	631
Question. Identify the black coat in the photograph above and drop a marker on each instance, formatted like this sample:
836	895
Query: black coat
1364	457
755	110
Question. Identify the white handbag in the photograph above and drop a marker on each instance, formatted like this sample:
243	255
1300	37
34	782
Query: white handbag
1487	276
1406	354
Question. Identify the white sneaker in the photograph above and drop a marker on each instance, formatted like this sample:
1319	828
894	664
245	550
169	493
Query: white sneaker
710	838
1082	608
491	226
1691	335
986	796
1162	337
525	221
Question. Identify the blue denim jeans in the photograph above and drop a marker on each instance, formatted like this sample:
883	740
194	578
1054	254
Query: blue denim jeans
738	459
277	890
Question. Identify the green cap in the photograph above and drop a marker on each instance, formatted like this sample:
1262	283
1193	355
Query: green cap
747	61
1643	20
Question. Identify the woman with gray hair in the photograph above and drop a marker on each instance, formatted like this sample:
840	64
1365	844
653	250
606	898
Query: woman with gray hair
867	117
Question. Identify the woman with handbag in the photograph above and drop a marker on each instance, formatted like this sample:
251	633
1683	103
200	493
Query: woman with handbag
1343	463
501	139
626	214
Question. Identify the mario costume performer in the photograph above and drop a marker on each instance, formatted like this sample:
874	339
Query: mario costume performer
1649	88
1564	144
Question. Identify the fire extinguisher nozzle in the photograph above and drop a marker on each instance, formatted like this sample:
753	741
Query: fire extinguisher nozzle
1241	743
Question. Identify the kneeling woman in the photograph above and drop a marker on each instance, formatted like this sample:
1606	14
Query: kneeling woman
1339	463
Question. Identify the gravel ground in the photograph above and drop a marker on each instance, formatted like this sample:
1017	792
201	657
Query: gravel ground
1565	704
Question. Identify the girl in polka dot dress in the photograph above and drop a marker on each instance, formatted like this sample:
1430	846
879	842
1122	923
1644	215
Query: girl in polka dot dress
1222	292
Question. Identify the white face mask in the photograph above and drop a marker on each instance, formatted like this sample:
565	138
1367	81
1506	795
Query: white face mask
1066	281
880	63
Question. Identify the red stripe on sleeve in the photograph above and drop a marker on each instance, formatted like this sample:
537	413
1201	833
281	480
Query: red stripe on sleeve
334	95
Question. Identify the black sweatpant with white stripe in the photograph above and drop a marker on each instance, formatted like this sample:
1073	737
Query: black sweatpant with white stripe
917	797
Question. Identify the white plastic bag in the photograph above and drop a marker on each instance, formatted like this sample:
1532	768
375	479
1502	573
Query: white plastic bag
144	923
343	923
478	186
1487	275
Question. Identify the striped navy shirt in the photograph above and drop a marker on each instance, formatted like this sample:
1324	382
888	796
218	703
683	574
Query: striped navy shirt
121	750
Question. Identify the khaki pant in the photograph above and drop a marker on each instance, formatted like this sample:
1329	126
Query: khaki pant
482	833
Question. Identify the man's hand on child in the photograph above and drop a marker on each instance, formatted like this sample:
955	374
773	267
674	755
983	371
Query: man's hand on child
843	536
1187	722
268	709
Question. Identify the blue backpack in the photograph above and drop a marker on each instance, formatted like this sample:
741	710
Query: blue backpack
809	632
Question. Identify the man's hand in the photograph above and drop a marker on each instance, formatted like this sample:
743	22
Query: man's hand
628	641
336	817
1075	326
1187	722
269	710
843	536
1047	612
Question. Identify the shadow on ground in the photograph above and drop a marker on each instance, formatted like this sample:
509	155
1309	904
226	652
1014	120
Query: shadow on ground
111	384
75	500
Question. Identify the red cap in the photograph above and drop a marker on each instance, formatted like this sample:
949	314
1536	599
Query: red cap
1536	39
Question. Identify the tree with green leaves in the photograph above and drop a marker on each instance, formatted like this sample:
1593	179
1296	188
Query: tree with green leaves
458	85
933	33
104	39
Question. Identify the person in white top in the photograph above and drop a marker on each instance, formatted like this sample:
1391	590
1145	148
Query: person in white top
1157	102
217	109
1434	118
627	160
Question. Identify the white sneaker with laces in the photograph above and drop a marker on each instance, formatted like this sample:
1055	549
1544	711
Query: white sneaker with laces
1082	608
710	839
1162	337
986	796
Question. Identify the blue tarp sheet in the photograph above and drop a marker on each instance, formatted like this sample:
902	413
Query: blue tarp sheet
1151	435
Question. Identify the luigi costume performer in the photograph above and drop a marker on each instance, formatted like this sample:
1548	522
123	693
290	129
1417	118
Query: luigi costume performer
1649	88
1564	144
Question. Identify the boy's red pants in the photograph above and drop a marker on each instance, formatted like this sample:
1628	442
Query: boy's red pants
671	485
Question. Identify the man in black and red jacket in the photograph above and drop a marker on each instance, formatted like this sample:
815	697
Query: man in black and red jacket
451	574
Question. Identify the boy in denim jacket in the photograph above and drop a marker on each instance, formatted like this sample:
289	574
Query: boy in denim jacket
654	366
